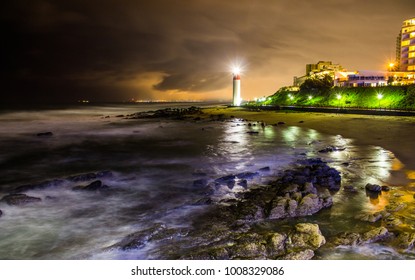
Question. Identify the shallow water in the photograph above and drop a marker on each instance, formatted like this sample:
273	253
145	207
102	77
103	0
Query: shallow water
154	163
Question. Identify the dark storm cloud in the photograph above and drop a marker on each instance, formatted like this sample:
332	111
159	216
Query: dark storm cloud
115	50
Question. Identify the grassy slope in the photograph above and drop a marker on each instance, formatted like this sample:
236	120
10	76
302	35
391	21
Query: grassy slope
393	97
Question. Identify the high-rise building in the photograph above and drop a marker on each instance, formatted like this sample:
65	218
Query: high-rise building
407	46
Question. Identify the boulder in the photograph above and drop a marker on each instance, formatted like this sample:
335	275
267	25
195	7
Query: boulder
19	199
249	246
1	213
139	239
368	217
309	205
375	235
276	244
347	239
243	183
94	186
373	188
330	149
405	240
225	179
385	188
38	186
301	255
247	175
264	169
306	236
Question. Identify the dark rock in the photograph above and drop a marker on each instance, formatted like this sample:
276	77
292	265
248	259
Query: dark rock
301	255
120	116
104	174
225	179
375	235
330	149
379	234
306	236
367	217
264	169
301	122
347	239
19	199
82	177
94	186
200	183
249	246
276	244
204	201
38	186
230	184
1	213
405	240
243	183
280	123
45	134
252	132
139	239
373	188
247	175
385	188
345	164
308	188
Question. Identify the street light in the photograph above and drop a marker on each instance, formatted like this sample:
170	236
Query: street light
338	96
379	96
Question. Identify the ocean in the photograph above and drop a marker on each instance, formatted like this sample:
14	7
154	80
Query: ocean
154	164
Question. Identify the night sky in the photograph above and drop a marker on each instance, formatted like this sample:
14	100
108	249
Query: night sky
115	50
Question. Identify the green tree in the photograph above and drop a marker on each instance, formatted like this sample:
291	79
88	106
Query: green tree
317	84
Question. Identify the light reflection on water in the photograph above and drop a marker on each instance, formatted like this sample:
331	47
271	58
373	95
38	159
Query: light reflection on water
155	162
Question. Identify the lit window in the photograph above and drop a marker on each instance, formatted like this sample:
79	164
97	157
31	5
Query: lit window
406	43
411	68
412	54
411	49
412	35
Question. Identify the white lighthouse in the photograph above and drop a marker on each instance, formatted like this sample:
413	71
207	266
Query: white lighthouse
236	88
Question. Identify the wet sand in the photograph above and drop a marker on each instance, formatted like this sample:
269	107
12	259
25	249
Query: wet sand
396	134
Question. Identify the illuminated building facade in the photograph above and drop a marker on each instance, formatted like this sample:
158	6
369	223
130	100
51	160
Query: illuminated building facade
407	46
317	70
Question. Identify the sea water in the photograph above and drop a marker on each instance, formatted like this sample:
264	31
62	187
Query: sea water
154	163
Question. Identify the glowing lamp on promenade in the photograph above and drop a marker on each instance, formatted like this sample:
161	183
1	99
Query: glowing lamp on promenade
310	97
379	96
338	96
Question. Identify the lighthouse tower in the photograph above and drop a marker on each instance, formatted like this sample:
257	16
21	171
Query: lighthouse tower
236	89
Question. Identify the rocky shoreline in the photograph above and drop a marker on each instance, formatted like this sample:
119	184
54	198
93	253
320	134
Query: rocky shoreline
262	221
